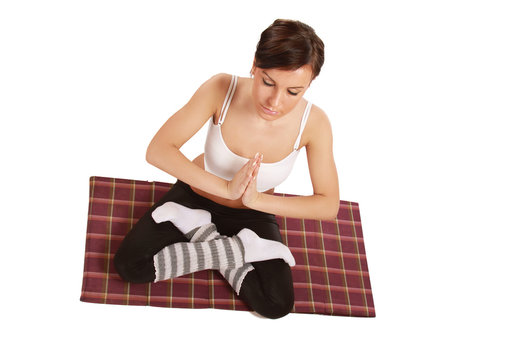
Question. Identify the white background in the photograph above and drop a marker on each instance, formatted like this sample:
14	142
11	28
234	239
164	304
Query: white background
423	100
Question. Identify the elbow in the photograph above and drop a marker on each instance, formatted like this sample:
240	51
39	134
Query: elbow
154	154
150	154
157	154
330	211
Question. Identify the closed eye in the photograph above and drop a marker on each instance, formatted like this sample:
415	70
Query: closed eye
267	83
270	84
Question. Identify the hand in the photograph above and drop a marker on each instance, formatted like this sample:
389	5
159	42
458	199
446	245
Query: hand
251	194
238	184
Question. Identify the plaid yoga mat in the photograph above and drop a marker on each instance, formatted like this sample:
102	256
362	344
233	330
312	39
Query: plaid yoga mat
330	277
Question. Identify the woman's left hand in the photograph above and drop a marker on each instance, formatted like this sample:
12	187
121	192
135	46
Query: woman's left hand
251	194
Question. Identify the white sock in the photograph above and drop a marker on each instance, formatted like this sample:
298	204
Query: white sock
259	249
197	221
179	259
184	218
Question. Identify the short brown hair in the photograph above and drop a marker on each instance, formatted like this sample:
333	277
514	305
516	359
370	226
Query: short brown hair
289	44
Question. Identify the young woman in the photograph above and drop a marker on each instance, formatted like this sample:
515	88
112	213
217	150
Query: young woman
220	214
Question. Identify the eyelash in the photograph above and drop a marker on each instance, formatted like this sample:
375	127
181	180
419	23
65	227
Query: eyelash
269	84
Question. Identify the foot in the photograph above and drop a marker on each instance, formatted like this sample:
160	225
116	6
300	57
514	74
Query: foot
259	249
184	218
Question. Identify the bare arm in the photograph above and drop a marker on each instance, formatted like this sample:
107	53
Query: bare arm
324	204
164	149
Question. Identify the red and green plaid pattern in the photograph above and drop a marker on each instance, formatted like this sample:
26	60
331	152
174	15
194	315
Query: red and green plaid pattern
330	277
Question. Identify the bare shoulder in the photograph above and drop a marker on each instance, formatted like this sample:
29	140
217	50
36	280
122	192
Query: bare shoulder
318	127
210	94
318	116
218	84
214	89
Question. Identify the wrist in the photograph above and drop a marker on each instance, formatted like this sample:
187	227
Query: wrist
256	203
228	194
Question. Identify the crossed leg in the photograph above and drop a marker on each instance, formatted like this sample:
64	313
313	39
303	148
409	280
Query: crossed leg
208	249
267	285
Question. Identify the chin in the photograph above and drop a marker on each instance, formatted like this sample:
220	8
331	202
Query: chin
268	117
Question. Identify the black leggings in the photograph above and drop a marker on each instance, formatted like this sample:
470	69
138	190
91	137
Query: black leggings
267	289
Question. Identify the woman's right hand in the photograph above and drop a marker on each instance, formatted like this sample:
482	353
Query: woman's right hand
236	187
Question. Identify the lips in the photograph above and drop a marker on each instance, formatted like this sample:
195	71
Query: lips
268	111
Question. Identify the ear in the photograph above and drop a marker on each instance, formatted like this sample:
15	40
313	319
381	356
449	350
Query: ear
253	69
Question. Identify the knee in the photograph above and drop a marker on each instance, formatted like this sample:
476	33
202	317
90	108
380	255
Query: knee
129	270
122	266
272	305
268	289
278	308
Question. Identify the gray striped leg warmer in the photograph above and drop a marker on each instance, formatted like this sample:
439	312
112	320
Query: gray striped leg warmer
234	276
207	250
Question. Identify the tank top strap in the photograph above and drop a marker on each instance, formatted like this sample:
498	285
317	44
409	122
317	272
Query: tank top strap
303	123
228	98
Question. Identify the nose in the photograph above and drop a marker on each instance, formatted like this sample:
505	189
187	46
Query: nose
274	99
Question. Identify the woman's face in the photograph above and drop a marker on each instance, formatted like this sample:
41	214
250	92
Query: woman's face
276	92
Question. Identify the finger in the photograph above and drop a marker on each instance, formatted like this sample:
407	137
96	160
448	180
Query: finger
256	171
251	186
255	159
251	179
251	164
244	173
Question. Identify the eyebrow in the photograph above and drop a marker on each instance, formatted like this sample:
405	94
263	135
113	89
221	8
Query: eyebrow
290	87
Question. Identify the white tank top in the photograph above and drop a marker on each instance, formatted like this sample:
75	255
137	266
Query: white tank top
221	161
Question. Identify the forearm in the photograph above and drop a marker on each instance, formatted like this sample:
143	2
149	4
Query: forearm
170	159
317	207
